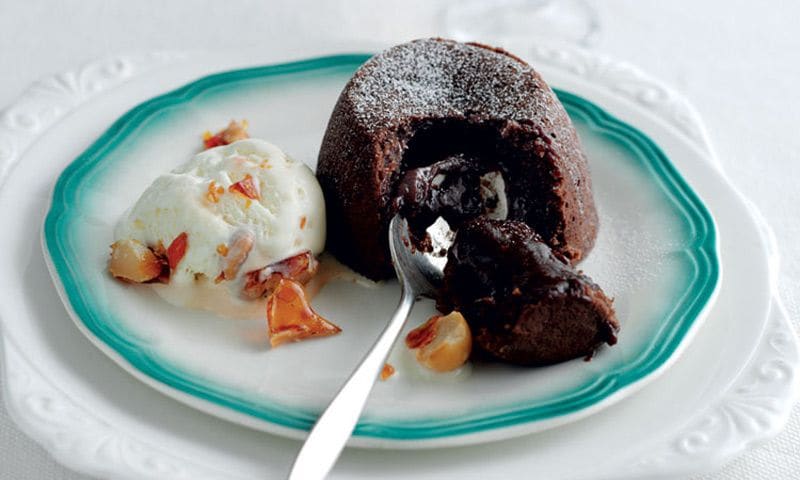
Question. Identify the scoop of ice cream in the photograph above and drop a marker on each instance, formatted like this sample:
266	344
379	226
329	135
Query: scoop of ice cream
242	206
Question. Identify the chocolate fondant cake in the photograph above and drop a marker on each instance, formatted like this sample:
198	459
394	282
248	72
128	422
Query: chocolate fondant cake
525	304
471	134
476	107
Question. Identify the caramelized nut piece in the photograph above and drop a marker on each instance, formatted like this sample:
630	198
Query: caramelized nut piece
214	192
387	371
177	250
237	251
443	343
246	187
233	132
131	260
300	268
290	317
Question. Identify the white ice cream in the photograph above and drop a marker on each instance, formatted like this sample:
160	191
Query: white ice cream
286	219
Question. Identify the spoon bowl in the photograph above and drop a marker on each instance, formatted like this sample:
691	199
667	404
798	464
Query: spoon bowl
418	270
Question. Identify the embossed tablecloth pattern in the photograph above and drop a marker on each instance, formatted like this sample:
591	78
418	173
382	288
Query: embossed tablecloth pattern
735	60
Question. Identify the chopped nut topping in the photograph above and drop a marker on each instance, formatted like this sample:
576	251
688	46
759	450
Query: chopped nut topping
290	317
160	250
261	283
443	343
214	192
177	250
303	221
422	335
161	253
211	141
247	187
387	371
222	249
233	132
237	251
132	261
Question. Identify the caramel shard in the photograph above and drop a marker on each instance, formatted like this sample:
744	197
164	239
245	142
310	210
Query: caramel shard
443	343
132	261
290	317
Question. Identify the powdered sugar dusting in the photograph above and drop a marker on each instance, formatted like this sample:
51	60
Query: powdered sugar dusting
436	78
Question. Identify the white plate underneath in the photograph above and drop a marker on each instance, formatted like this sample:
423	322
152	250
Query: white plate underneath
95	418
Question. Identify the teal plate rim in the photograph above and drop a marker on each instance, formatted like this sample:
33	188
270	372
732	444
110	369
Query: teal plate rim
701	250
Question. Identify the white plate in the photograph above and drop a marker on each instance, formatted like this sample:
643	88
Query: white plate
656	254
94	418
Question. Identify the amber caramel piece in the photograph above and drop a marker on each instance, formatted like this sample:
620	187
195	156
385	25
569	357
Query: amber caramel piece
290	317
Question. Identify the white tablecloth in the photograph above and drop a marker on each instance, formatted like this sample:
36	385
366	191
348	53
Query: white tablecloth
737	61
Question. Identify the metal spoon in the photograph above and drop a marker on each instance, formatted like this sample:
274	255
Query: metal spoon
418	273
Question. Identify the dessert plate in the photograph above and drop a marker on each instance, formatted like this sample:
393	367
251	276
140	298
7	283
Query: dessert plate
733	386
656	254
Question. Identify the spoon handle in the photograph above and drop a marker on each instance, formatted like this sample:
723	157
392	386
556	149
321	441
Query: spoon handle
329	435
